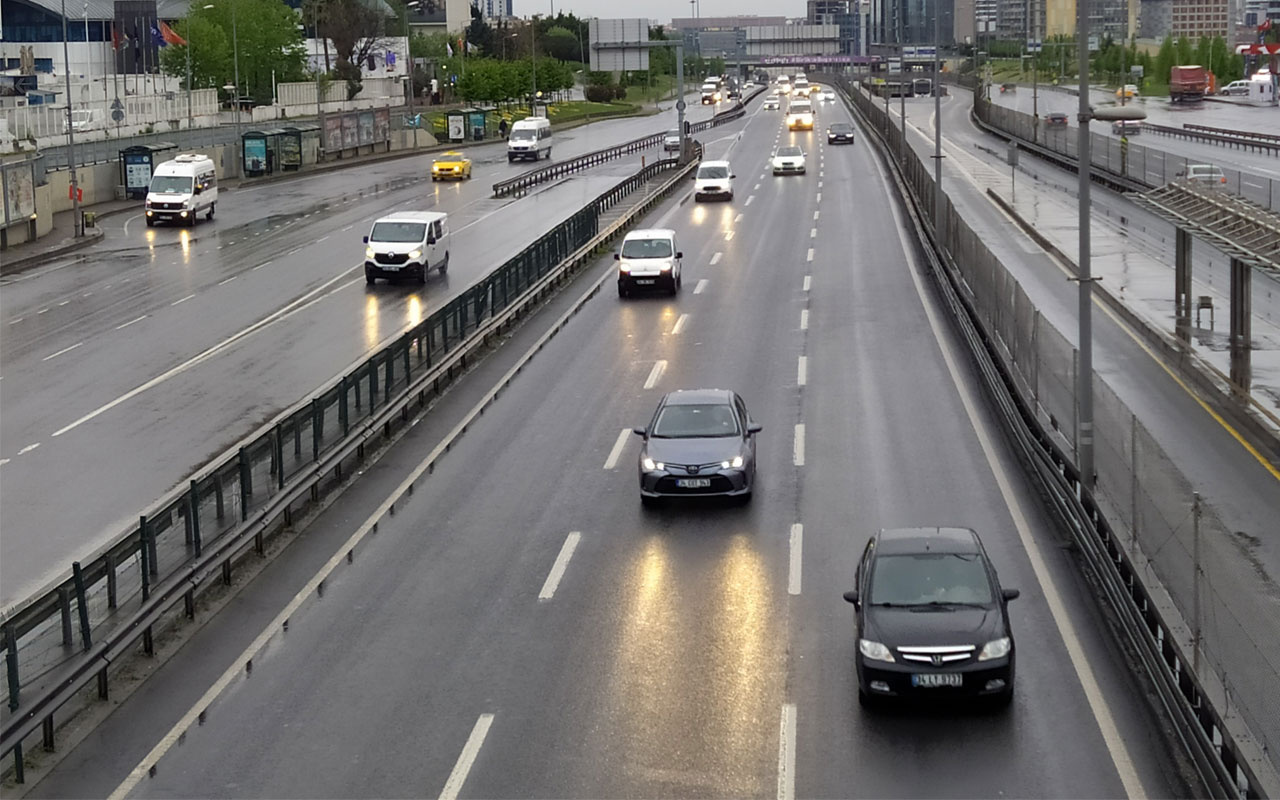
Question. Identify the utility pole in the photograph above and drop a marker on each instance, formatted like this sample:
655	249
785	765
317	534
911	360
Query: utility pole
188	49
77	219
235	56
937	118
1084	373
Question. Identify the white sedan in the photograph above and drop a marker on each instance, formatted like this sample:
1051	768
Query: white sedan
788	160
828	96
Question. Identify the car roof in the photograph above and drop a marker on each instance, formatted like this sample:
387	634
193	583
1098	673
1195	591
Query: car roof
651	233
412	216
902	541
839	125
689	397
531	122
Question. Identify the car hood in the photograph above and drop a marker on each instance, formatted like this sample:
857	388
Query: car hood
694	451
942	625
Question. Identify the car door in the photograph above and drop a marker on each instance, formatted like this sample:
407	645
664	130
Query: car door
744	422
435	243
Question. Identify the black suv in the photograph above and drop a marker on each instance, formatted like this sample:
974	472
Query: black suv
932	620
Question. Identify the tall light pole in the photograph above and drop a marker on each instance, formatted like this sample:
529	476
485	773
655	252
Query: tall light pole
77	222
533	59
408	54
235	57
937	117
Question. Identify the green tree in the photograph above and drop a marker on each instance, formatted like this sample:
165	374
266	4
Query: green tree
211	65
561	43
264	33
356	29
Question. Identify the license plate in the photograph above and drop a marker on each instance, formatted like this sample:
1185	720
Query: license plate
693	483
645	281
934	680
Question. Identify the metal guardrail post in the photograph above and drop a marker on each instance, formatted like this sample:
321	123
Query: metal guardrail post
11	666
391	373
246	483
193	514
86	634
342	406
144	553
317	427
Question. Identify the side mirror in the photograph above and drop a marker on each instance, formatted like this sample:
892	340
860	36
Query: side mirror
733	176
617	256
197	190
366	240
431	239
851	597
679	254
1011	594
754	428
693	177
638	431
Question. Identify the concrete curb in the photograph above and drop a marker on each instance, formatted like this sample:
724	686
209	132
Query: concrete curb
14	266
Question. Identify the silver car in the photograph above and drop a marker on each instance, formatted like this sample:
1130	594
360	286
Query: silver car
701	442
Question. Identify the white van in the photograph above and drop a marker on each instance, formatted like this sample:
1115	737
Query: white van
407	243
711	93
713	179
529	138
182	188
649	259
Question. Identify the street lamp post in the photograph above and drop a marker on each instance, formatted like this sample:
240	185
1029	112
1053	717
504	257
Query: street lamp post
937	118
235	57
408	53
77	222
533	59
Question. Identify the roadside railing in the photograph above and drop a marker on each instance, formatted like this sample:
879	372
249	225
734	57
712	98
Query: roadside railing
1159	554
1263	143
522	183
1265	137
61	641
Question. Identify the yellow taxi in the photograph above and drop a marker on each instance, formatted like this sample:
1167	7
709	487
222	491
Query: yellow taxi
1128	91
451	165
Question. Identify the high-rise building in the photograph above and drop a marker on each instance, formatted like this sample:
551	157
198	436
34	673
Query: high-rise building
843	14
899	22
494	9
1196	18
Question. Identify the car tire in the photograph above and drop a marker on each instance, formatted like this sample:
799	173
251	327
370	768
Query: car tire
369	279
444	265
869	702
1001	702
151	223
209	215
622	291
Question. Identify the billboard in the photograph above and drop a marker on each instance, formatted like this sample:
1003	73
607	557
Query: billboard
609	40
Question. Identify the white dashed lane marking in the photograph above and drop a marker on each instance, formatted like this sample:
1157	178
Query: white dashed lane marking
679	326
655	374
802	371
28	449
616	452
130	322
809	257
797	544
63	350
715	259
804	319
797	449
558	568
183	300
808	282
701	287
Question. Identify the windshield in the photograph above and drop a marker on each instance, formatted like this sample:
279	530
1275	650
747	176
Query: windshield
906	580
840	127
790	151
673	134
450	157
646	248
713	172
695	422
404	232
171	184
523	135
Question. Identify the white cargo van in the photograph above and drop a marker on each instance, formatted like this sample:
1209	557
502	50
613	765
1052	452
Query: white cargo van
529	138
407	244
182	188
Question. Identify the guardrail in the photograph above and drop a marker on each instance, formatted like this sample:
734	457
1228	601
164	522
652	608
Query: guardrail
1266	137
1026	366
522	183
61	641
1263	144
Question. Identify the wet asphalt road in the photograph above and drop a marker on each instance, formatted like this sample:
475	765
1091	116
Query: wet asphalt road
695	650
129	365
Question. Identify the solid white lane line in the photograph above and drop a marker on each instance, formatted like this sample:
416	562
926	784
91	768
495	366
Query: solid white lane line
787	753
804	319
702	284
41	311
728	236
465	759
655	374
263	264
809	256
1098	705
679	326
738	218
715	259
176	302
557	569
808	281
802	371
63	350
28	449
797	449
321	239
797	545
130	322
616	452
813	233
228	280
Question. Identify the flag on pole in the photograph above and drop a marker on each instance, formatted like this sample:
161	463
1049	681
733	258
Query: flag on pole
169	35
115	37
448	48
471	48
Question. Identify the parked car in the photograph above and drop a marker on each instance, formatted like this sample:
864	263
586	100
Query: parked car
1055	119
1235	87
700	442
931	618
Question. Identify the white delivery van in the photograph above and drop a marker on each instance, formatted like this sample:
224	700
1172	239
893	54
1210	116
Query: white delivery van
711	93
182	188
529	138
649	259
407	244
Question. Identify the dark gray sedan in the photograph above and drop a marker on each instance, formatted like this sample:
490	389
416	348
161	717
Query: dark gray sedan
701	442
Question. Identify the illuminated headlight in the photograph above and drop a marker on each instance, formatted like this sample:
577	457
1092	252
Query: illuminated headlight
415	254
736	463
435	167
148	212
652	466
874	650
623	266
665	267
368	252
996	648
183	214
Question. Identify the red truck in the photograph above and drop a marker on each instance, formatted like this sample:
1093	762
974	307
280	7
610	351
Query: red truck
1188	84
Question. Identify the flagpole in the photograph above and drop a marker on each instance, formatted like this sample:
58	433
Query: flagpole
189	121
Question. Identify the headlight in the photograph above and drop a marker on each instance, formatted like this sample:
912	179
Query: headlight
623	266
996	648
368	252
736	463
652	466
874	650
435	167
666	267
415	254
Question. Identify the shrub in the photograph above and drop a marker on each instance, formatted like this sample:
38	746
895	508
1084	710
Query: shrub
599	94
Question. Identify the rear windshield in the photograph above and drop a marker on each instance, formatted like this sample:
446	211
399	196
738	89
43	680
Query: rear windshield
646	248
713	172
398	232
695	421
930	578
171	184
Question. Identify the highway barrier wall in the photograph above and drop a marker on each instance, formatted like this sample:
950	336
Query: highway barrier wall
60	643
1179	590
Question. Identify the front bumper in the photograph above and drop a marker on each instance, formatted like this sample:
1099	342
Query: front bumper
840	138
723	483
453	173
788	169
713	191
168	215
978	679
632	281
412	269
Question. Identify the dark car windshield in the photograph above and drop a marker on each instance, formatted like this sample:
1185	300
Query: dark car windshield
398	232
924	578
171	184
713	172
840	127
646	248
790	151
695	422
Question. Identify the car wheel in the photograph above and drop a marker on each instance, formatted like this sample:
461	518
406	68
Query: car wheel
622	291
869	702
151	223
1002	701
210	214
369	279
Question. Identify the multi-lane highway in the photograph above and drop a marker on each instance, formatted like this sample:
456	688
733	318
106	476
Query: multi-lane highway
523	627
127	366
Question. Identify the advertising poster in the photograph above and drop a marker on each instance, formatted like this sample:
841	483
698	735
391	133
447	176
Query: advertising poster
366	127
290	151
137	173
255	155
382	125
333	133
457	127
19	193
350	133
